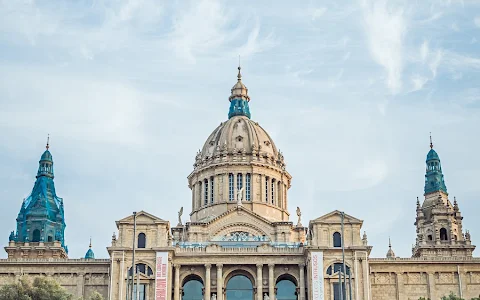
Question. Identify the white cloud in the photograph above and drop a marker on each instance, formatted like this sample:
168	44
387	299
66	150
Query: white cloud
476	21
385	29
418	82
318	12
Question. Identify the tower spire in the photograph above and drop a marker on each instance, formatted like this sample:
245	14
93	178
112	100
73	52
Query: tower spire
434	180
48	141
90	245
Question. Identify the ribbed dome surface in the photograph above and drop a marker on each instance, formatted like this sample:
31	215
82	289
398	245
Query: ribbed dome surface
46	156
239	139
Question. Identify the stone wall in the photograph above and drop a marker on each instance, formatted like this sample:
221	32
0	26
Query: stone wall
412	278
79	277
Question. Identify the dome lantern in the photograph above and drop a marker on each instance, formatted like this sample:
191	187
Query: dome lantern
239	98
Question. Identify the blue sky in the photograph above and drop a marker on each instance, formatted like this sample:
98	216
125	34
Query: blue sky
130	89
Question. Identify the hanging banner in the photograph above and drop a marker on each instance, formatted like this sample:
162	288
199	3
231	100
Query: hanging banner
161	276
317	275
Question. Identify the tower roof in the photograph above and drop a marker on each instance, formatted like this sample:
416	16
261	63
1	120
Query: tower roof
390	253
434	181
42	208
90	254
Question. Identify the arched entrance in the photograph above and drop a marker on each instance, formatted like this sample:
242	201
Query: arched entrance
239	287
286	288
192	288
36	236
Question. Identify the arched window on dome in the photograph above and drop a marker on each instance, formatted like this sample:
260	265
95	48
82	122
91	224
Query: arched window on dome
267	179
212	188
337	239
205	189
230	187
248	184
273	192
239	181
443	234
142	240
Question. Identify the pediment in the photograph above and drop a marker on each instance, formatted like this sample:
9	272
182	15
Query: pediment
335	217
143	217
240	220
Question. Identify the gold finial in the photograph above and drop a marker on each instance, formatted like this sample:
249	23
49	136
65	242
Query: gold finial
90	246
239	76
431	144
48	141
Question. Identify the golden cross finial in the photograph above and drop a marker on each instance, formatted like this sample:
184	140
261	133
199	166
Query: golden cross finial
431	144
48	141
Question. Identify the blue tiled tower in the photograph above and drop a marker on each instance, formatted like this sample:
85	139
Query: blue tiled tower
41	218
434	181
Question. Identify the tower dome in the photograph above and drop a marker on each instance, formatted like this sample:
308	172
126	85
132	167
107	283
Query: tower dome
90	254
239	164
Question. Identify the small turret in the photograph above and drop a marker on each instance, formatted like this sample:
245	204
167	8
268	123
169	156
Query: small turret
390	253
90	254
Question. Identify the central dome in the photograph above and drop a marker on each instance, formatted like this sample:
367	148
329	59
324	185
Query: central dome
239	165
242	139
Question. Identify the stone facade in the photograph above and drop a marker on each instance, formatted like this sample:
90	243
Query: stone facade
240	243
79	276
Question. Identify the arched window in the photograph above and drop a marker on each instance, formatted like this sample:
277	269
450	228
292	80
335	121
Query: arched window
192	289
337	267
443	234
267	179
50	239
142	240
430	237
205	188
337	239
248	184
141	268
212	188
286	290
239	181
36	236
231	196
273	191
239	287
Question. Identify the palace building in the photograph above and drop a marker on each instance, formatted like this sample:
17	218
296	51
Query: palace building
240	242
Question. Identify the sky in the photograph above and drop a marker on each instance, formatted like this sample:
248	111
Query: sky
129	90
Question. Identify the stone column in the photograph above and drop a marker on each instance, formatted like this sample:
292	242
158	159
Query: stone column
262	188
259	282
80	285
226	190
207	281
365	278
301	269
431	286
216	187
244	185
235	187
400	287
271	282
176	293
169	282
219	282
